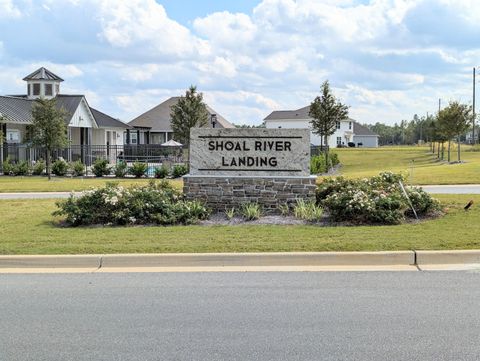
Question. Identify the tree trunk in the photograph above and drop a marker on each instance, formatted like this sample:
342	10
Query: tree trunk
433	147
47	164
458	150
449	144
443	151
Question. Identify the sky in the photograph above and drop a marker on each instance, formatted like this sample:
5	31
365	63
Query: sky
386	59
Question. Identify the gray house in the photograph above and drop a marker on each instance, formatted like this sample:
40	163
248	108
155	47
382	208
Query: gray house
154	126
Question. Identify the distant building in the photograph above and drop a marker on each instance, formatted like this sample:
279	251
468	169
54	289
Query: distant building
348	131
86	125
155	126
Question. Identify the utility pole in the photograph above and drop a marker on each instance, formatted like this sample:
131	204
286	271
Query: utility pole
473	108
439	104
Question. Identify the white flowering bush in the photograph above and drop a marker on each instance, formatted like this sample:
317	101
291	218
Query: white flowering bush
155	203
375	200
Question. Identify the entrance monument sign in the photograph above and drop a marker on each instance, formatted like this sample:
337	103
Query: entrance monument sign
230	167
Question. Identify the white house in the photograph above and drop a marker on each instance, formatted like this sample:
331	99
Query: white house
348	131
86	126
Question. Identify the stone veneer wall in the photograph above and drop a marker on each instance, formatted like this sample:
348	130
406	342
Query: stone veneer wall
222	192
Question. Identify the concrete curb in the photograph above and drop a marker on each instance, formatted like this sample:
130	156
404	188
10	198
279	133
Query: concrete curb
448	257
212	260
419	259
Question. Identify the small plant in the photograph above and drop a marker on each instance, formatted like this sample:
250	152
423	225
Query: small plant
21	168
179	170
284	209
308	211
230	213
78	168
38	167
121	169
8	166
60	168
138	169
100	167
251	211
161	172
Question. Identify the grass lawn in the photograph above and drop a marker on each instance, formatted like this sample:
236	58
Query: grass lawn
42	184
27	228
421	166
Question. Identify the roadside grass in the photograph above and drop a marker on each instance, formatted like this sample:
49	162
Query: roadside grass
42	184
417	163
27	227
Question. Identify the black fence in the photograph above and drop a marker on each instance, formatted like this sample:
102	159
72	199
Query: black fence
87	154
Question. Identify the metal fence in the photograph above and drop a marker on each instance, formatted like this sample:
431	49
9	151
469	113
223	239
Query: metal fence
87	154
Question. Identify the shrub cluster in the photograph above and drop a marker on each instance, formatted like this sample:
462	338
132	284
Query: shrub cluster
318	163
155	203
376	200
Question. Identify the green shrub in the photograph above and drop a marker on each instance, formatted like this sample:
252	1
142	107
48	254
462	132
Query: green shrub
251	211
21	168
39	167
284	209
8	166
161	172
138	169
179	170
155	203
376	200
318	163
308	211
121	169
100	167
230	213
78	168
60	168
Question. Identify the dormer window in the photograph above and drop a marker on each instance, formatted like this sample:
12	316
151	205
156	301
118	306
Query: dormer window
337	125
36	89
350	125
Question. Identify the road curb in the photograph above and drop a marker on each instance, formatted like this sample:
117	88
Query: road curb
208	260
51	261
212	260
447	257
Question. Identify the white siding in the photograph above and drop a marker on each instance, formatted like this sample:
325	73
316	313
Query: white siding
367	141
344	132
82	117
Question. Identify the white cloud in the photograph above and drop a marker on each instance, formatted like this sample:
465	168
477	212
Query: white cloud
9	10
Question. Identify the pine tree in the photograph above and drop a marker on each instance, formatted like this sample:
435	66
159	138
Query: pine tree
189	112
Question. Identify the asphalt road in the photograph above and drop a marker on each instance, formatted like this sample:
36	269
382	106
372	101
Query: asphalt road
241	316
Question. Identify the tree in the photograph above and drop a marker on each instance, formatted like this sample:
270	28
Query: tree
453	121
2	139
189	112
49	130
326	111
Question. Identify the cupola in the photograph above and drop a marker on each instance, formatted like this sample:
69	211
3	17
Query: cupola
42	83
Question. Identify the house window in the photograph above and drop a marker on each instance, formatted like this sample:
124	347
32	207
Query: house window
48	90
339	140
29	89
337	124
36	89
133	138
350	125
13	136
57	88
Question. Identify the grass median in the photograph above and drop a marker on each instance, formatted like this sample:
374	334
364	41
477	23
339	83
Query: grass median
27	227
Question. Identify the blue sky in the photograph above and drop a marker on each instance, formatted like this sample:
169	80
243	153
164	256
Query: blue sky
387	59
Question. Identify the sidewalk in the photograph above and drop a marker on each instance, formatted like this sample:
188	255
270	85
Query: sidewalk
245	262
438	189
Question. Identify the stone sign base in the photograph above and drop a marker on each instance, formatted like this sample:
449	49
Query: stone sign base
223	192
